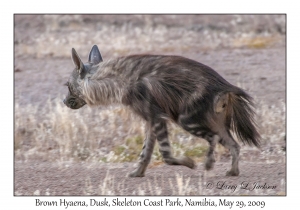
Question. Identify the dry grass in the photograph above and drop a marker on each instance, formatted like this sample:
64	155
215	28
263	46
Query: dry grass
54	132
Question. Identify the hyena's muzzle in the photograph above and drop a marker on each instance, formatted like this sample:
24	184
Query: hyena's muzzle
73	102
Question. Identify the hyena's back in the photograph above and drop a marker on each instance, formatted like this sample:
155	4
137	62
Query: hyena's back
175	86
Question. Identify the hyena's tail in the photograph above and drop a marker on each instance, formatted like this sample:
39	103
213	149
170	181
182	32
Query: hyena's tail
240	117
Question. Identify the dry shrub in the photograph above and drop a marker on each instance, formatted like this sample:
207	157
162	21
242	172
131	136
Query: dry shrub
256	42
55	132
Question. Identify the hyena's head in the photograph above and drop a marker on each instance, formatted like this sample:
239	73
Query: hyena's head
75	99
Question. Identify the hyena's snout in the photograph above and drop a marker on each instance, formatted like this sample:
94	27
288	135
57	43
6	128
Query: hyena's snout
74	103
64	101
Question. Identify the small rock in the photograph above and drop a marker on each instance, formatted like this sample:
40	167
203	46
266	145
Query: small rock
37	192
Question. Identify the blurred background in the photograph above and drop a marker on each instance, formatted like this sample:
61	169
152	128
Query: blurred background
54	35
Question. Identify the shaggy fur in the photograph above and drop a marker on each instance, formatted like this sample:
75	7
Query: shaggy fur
160	88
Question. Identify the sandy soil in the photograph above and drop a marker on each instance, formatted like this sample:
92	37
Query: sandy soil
259	70
38	178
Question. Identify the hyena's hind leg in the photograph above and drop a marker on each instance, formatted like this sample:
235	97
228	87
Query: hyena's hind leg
146	153
228	142
161	132
191	123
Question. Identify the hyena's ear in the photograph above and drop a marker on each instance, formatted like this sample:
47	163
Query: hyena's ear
95	56
77	61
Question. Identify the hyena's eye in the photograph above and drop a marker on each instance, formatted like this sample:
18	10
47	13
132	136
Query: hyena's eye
69	87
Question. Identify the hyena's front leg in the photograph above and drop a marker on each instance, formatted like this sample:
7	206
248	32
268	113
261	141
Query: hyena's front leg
212	140
161	132
146	153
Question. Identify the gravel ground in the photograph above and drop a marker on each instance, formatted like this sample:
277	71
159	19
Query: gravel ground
39	178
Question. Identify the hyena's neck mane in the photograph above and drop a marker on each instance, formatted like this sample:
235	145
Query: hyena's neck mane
104	86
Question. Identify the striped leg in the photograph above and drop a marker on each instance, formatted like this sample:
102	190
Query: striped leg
160	129
145	155
229	143
213	140
190	122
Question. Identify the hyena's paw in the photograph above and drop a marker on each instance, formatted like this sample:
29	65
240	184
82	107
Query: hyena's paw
184	161
137	173
188	162
233	172
209	163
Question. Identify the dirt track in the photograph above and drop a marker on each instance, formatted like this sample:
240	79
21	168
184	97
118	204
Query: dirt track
259	70
110	179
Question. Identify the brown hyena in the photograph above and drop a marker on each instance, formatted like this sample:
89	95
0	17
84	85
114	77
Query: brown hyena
160	88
